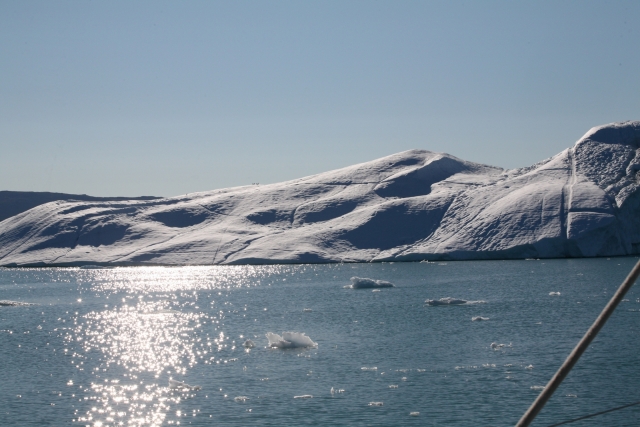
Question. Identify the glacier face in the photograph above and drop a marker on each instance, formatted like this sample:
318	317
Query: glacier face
408	206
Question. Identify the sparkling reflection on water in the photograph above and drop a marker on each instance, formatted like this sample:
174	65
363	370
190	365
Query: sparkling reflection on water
141	342
164	346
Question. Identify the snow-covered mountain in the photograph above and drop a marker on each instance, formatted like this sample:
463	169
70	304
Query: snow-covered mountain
415	205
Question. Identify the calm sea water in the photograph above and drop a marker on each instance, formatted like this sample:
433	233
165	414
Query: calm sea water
99	346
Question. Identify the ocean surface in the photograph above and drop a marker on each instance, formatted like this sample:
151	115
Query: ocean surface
150	346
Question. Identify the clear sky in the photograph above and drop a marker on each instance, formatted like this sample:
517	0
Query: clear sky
125	98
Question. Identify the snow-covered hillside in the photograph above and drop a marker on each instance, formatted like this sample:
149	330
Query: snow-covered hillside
415	205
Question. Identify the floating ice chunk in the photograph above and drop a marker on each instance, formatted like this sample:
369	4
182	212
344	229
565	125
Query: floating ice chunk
496	346
240	399
376	403
414	414
554	293
306	310
290	340
393	386
365	283
478	318
180	386
375	290
7	303
303	396
248	344
445	301
334	391
529	367
373	368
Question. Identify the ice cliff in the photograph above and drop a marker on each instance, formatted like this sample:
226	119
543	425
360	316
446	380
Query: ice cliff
415	205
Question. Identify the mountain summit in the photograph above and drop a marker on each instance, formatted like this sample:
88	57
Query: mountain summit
413	205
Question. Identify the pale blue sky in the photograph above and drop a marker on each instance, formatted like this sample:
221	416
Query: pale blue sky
124	98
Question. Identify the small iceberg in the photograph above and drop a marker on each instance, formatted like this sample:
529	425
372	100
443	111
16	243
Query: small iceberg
7	303
180	386
496	346
365	283
290	340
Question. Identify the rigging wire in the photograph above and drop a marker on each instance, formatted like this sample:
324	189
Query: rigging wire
596	414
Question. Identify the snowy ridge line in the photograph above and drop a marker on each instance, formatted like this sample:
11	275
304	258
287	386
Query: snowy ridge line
411	206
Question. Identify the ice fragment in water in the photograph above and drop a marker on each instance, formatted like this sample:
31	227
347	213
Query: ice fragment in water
373	368
496	346
528	367
537	387
7	303
303	396
290	340
393	386
365	283
478	318
445	301
180	386
554	293
414	414
240	399
376	403
306	310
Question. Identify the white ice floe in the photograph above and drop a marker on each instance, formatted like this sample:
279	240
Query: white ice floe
290	340
365	283
393	386
529	367
303	396
240	399
479	318
376	403
367	368
335	391
414	414
248	344
554	293
180	386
